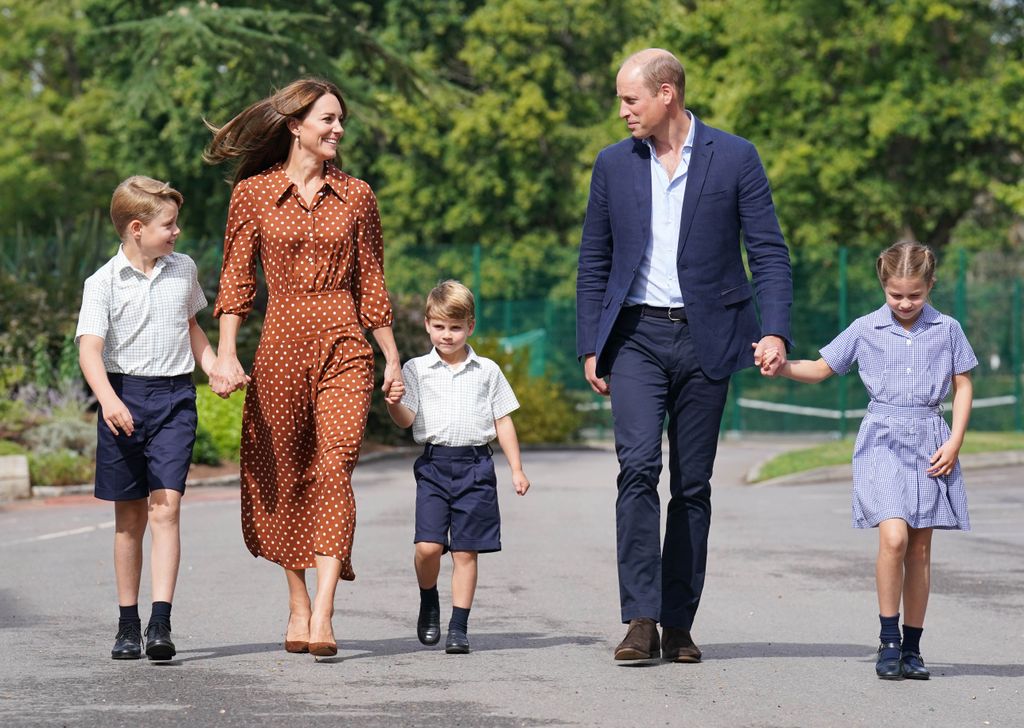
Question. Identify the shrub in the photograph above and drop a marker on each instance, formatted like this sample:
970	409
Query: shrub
11	448
63	467
77	436
205	451
222	420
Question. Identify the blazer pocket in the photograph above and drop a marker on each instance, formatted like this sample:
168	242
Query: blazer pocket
716	194
736	294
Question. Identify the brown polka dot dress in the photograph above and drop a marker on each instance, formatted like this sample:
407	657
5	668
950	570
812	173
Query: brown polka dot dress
306	406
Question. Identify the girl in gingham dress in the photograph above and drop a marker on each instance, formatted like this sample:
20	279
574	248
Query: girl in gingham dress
906	477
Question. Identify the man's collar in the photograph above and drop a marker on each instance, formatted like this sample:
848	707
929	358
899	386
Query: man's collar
687	143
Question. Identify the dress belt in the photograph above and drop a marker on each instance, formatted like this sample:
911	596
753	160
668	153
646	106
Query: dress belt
910	413
672	313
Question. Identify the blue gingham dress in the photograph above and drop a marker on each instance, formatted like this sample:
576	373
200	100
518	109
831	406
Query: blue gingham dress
907	374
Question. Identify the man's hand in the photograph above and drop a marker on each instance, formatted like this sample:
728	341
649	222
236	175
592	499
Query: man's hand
769	365
590	373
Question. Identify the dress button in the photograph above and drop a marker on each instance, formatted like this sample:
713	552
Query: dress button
909	342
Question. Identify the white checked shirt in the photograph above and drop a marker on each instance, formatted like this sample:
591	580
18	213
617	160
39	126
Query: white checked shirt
456	407
142	320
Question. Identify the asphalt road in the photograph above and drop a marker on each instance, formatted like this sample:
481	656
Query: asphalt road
788	624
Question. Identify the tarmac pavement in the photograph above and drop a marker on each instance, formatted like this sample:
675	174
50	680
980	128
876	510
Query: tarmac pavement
788	623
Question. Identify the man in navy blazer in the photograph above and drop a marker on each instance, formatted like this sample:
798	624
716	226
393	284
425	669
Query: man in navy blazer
665	314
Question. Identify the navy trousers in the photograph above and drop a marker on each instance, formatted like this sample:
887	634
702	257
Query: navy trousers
653	374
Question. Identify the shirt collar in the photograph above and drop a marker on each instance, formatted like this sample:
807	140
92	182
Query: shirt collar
884	317
121	262
434	359
687	143
334	179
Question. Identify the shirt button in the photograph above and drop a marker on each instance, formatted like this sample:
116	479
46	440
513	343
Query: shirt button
909	342
909	370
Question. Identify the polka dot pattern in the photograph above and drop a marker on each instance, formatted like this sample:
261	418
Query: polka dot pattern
306	406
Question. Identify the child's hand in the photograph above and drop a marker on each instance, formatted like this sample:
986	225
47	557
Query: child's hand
116	415
519	482
395	392
768	357
943	460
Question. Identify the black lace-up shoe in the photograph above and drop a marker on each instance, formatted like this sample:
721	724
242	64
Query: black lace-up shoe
158	642
128	642
428	626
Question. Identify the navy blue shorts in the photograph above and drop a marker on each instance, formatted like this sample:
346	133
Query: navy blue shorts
457	496
158	453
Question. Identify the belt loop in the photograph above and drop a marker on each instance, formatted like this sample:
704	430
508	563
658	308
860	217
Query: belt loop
430	450
489	450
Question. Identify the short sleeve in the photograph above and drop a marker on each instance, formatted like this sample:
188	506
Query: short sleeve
841	352
964	359
94	316
410	377
503	399
241	247
197	299
368	287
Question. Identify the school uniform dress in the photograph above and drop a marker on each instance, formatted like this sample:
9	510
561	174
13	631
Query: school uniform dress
456	487
908	375
147	353
306	405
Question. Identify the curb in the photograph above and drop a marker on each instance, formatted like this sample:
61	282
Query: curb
832	473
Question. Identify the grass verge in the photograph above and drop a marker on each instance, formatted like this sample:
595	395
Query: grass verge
840	452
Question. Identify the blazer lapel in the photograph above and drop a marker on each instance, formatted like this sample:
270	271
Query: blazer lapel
642	185
700	160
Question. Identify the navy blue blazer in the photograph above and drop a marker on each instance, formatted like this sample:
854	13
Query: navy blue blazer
727	192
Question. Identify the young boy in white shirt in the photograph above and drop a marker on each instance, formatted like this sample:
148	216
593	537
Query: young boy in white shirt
138	342
456	402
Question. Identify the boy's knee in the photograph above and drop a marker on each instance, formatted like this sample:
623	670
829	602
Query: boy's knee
429	550
464	557
164	508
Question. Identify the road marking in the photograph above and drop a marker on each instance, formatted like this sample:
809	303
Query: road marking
61	534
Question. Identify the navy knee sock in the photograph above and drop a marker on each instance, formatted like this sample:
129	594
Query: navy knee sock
429	598
161	614
129	615
912	638
890	629
459	620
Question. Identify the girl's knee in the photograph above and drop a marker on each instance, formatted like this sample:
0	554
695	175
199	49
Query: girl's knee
893	541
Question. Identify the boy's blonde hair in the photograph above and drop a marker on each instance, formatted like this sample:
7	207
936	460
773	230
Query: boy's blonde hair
140	198
450	300
906	259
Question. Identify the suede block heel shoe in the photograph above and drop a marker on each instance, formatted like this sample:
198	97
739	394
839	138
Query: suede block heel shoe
296	646
887	665
912	666
323	649
158	642
428	626
128	643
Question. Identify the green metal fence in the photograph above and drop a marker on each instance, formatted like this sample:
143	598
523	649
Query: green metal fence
982	290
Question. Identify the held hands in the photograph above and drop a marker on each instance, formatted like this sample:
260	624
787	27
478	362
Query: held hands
117	416
227	375
519	482
769	355
943	460
393	387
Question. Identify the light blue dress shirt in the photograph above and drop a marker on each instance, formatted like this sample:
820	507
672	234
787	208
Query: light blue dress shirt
657	278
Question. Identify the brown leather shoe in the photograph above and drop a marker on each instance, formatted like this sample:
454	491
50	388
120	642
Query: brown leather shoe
678	646
641	642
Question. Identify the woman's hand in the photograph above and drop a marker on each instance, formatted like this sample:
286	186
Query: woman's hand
227	375
393	377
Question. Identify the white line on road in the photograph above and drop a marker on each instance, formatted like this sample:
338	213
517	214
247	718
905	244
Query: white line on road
61	534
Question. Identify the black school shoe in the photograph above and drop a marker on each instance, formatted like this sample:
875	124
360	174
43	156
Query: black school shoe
457	642
887	666
128	642
428	626
158	642
912	666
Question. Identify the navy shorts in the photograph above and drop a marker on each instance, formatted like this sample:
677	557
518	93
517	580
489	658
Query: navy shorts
158	453
457	498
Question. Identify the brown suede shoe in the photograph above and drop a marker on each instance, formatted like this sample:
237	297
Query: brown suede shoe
641	642
678	646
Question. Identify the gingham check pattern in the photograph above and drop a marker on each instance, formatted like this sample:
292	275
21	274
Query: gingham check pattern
143	321
456	407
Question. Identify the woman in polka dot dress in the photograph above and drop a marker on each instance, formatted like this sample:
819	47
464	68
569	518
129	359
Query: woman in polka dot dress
316	232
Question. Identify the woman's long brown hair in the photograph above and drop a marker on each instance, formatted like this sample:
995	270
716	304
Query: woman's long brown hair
259	137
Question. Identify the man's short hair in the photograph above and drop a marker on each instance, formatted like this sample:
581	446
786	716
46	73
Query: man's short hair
658	66
452	301
140	198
